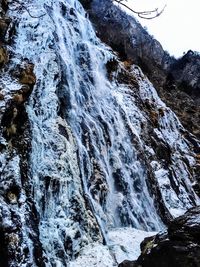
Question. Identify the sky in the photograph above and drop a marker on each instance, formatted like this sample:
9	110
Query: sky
177	28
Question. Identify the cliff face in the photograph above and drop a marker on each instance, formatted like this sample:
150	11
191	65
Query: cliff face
174	79
87	146
18	215
182	84
185	72
126	36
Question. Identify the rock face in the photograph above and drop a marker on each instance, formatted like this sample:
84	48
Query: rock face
183	84
178	247
186	72
16	203
126	36
174	79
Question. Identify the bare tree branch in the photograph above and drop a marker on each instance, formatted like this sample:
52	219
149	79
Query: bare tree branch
149	14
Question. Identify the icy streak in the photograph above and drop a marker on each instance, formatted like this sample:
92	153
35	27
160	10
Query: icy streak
87	176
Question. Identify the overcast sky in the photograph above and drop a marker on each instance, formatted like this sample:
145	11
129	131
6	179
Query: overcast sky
177	29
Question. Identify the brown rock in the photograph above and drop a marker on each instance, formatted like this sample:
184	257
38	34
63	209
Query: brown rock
11	130
25	89
111	67
18	98
161	112
4	23
27	75
154	117
3	56
128	64
12	197
4	5
1	97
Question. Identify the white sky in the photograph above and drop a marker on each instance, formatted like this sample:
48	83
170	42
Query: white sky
177	29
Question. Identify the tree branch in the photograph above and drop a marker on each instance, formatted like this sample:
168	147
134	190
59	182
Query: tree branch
149	14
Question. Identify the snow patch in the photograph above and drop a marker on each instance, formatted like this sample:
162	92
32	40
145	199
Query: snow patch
124	244
94	255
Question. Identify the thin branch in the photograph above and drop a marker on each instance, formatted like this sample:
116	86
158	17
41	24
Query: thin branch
150	14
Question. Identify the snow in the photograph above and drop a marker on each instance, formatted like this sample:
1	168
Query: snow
124	244
176	194
94	255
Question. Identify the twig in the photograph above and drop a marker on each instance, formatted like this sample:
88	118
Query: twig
143	14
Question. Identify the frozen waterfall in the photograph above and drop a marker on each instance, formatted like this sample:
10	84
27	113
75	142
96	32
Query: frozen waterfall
91	167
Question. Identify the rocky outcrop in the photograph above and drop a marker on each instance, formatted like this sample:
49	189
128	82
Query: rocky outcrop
186	73
4	24
3	56
7	26
16	203
183	84
178	247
